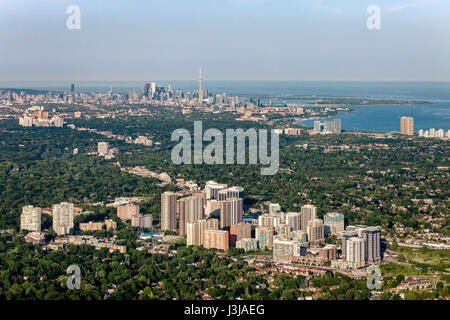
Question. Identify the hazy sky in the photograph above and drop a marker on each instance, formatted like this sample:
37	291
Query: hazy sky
230	39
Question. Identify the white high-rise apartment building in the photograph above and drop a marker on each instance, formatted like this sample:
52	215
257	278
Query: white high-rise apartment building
63	218
30	219
407	126
355	254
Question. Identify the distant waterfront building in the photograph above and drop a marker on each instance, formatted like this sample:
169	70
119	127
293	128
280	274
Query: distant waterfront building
292	131
355	252
308	212
63	218
127	211
195	230
315	232
294	220
190	209
332	126
240	231
334	223
169	211
248	244
30	219
103	148
264	235
407	126
217	239
231	212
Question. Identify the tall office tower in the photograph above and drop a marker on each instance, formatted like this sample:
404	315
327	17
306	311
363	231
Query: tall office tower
231	212
62	218
337	126
153	88
334	223
103	148
72	88
190	209
266	220
346	236
147	89
200	90
212	189
372	243
407	126
240	231
317	126
217	239
355	252
264	235
194	230
169	211
294	220
30	219
127	211
308	212
315	231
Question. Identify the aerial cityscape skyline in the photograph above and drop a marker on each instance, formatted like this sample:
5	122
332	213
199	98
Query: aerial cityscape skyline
228	158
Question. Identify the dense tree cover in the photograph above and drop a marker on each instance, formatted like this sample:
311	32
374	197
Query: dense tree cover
28	272
45	172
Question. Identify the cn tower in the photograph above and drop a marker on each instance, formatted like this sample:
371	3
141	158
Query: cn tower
200	90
